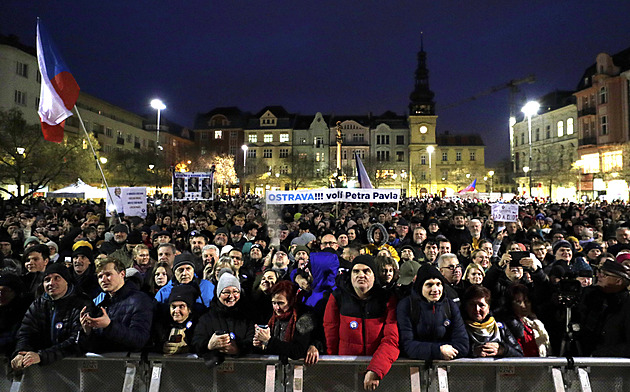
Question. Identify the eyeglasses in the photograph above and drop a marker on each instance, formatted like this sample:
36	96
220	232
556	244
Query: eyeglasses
453	267
235	293
329	242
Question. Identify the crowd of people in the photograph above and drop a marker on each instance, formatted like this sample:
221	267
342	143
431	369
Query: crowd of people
434	279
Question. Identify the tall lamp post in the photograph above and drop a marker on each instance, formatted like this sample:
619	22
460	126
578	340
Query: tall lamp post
159	106
530	109
244	148
491	174
527	171
430	150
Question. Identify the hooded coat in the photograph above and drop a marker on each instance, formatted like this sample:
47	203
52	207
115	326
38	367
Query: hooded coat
436	325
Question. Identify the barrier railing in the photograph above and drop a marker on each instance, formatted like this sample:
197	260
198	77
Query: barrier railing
129	373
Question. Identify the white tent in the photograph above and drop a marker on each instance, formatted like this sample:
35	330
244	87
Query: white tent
79	190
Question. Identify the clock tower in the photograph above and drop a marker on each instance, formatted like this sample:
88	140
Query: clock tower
422	140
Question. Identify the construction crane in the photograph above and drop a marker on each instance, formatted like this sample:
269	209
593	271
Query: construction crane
514	90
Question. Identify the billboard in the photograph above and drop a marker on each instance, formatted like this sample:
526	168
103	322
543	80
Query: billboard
193	186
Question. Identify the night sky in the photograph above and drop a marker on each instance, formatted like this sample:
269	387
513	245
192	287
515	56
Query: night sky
342	57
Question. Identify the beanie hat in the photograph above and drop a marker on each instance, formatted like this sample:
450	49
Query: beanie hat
365	260
53	244
58	268
621	257
308	237
301	248
221	230
85	251
135	237
12	281
257	246
408	271
30	240
589	246
227	280
561	244
425	273
183	292
120	228
79	244
183	259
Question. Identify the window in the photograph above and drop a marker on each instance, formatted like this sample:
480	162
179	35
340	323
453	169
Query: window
302	156
604	124
382	139
108	132
203	136
603	95
548	132
523	138
267	153
21	69
252	138
284	152
400	140
400	156
423	176
386	173
444	175
20	97
357	137
560	128
423	159
233	150
218	134
537	134
360	153
251	153
319	156
233	134
444	156
268	138
284	169
284	138
569	126
382	156
590	163
458	156
472	156
318	142
612	161
344	154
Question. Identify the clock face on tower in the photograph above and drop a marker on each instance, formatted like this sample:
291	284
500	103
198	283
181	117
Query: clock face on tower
423	129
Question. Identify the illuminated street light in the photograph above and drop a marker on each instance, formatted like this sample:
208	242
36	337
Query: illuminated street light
530	109
491	174
20	150
430	150
159	106
103	160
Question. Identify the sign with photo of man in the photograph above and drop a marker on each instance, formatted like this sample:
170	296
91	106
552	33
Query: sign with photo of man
192	186
127	201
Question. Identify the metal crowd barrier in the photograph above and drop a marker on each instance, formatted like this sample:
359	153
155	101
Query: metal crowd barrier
130	373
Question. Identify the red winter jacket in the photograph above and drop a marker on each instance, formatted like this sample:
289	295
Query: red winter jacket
362	327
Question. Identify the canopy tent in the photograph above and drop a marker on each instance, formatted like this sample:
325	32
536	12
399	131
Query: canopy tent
79	190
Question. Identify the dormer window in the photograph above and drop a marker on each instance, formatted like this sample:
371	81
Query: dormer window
268	120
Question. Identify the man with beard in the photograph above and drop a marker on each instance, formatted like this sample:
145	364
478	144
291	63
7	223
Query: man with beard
342	239
285	237
83	269
121	232
197	242
474	227
50	328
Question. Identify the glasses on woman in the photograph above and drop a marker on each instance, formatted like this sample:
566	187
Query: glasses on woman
227	293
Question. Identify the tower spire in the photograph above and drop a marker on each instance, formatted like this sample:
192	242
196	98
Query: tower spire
422	97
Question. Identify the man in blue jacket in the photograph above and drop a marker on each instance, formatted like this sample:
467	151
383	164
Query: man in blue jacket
127	312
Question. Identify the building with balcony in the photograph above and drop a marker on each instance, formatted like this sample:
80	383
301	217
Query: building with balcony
604	128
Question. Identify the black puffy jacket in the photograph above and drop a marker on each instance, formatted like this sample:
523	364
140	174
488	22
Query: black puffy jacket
50	327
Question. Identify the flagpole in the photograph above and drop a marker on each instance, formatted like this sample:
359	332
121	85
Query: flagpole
98	163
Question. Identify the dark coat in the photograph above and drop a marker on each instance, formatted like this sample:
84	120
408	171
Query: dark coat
131	313
51	327
296	348
233	320
605	321
434	329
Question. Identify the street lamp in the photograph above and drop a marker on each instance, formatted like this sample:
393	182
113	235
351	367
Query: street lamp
20	150
403	177
159	106
491	174
530	109
430	150
527	170
244	148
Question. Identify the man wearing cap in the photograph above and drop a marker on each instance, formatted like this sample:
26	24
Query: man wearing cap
127	313
563	256
83	271
50	328
184	273
255	260
360	319
236	235
407	275
605	313
121	231
221	237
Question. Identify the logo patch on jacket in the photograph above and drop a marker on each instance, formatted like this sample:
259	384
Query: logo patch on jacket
447	322
59	325
354	324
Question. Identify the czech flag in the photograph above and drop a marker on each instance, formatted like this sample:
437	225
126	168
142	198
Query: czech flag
364	180
470	188
59	90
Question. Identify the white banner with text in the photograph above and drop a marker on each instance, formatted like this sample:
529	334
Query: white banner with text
333	195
